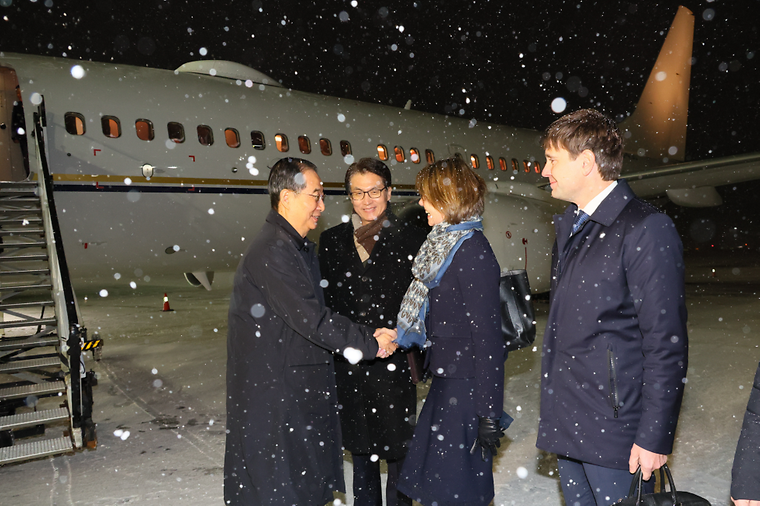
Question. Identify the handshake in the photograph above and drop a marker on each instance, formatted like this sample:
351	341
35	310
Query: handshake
385	338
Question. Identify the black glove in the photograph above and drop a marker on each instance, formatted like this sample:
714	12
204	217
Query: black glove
489	433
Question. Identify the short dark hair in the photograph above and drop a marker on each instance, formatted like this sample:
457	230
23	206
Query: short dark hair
368	165
452	187
592	130
284	176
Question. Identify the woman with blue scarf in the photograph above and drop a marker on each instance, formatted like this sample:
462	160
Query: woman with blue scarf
452	310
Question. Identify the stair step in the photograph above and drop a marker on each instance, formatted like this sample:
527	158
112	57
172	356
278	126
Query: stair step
37	389
25	272
22	231
38	244
36	449
7	210
19	192
27	343
20	184
22	272
13	422
10	288
24	258
14	324
19	198
34	219
35	363
21	305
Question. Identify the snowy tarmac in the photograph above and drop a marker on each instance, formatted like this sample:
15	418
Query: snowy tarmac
160	412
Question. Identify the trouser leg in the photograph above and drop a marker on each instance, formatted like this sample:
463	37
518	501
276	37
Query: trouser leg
575	485
367	488
585	484
392	496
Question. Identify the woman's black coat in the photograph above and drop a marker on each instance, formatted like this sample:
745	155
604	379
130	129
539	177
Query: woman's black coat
377	398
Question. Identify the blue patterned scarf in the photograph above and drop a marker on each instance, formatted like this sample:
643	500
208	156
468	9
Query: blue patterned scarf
429	266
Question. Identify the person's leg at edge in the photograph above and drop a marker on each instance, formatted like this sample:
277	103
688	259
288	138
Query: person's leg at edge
367	488
392	496
575	485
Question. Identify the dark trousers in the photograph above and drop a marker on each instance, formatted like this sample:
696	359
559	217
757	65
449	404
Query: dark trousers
585	484
367	487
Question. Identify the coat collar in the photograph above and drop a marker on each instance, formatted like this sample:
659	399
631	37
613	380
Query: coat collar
606	214
279	221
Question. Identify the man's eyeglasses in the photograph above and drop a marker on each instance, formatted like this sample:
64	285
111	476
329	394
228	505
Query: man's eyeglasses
374	193
316	196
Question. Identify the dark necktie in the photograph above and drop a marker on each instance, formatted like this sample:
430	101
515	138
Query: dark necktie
580	219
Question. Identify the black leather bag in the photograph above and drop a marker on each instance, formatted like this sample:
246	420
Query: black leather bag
662	498
517	316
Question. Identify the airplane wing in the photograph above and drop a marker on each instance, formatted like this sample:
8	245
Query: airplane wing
692	184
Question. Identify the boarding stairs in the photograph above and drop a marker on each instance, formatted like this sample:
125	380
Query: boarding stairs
45	393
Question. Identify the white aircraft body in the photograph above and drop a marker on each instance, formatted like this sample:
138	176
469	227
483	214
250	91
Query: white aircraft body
158	171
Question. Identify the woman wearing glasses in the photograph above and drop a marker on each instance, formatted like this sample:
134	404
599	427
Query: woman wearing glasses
452	306
366	264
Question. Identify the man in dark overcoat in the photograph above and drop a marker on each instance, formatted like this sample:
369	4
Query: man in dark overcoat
745	475
615	348
283	435
367	263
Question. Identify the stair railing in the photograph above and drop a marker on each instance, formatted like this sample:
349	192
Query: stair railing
70	331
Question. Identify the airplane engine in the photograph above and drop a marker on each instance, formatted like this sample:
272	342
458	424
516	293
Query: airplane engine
200	279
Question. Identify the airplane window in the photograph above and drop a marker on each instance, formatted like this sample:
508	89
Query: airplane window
325	146
257	140
345	148
429	156
526	165
232	137
304	144
205	135
382	152
176	132
399	153
144	129
537	166
475	161
489	162
74	123
502	163
515	165
111	126
281	140
414	155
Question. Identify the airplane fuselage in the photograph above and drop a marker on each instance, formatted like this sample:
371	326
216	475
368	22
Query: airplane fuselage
159	171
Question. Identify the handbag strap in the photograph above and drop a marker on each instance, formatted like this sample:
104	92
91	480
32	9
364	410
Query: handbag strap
638	479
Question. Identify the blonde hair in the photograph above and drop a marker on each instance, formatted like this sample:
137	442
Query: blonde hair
453	188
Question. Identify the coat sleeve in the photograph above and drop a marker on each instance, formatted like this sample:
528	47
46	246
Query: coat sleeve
745	475
478	276
290	293
655	274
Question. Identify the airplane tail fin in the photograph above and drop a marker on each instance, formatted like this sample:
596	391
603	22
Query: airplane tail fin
657	128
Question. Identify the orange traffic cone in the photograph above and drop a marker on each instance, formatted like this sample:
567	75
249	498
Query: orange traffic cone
166	303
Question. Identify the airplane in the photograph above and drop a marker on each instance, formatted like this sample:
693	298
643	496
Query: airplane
158	171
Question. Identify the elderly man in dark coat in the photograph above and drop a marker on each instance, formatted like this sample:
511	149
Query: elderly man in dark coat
615	347
745	475
283	434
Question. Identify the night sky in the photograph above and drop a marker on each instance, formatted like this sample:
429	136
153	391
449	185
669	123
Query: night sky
510	58
497	61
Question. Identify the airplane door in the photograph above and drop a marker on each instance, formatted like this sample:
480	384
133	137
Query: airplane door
13	148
